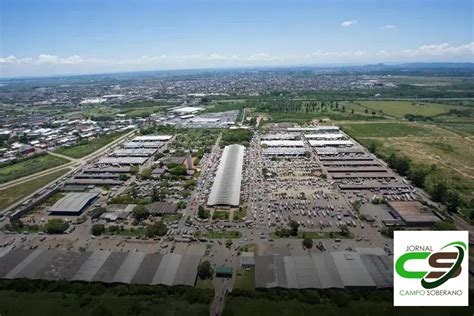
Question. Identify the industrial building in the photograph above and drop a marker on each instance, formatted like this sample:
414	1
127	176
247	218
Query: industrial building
226	187
137	144
284	151
330	143
122	161
152	138
327	136
100	266
73	203
413	213
281	136
366	267
282	143
133	152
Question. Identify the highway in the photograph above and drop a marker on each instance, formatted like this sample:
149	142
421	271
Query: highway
76	164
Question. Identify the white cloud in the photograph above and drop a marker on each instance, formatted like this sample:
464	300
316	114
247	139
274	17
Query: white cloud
440	52
349	23
390	26
46	64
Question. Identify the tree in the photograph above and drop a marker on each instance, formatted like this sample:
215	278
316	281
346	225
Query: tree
156	229
146	174
203	213
373	147
123	177
56	226
452	201
135	308
439	192
140	212
134	170
228	243
400	164
97	212
205	270
282	232
113	229
308	243
97	229
179	170
294	228
418	177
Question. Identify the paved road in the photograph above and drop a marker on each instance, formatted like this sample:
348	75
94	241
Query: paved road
77	164
204	177
73	163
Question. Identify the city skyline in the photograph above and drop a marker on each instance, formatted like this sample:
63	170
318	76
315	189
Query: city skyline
52	37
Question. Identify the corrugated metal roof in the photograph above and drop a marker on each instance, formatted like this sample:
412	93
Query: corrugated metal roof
73	202
226	187
100	266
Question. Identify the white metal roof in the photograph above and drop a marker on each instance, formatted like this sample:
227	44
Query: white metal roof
325	136
122	160
323	143
283	143
151	138
226	187
73	202
188	109
321	129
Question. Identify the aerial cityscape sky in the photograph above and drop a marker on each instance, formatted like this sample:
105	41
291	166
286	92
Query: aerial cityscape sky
44	37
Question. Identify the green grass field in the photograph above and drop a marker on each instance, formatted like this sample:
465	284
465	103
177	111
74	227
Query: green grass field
88	147
222	215
245	279
387	130
41	303
228	234
401	108
29	166
16	192
461	128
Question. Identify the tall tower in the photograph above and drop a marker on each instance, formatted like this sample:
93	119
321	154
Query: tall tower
189	161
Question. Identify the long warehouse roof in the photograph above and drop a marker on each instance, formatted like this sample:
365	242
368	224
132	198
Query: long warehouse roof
100	266
313	129
340	269
151	138
73	202
226	187
325	136
283	143
323	143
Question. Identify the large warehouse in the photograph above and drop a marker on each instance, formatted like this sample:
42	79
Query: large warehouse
365	267
226	187
100	266
73	203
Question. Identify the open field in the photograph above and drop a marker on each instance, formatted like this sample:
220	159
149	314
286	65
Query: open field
401	108
389	129
85	148
245	279
461	128
29	166
451	155
445	154
14	193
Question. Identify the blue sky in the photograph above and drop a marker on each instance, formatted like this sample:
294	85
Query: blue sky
40	37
